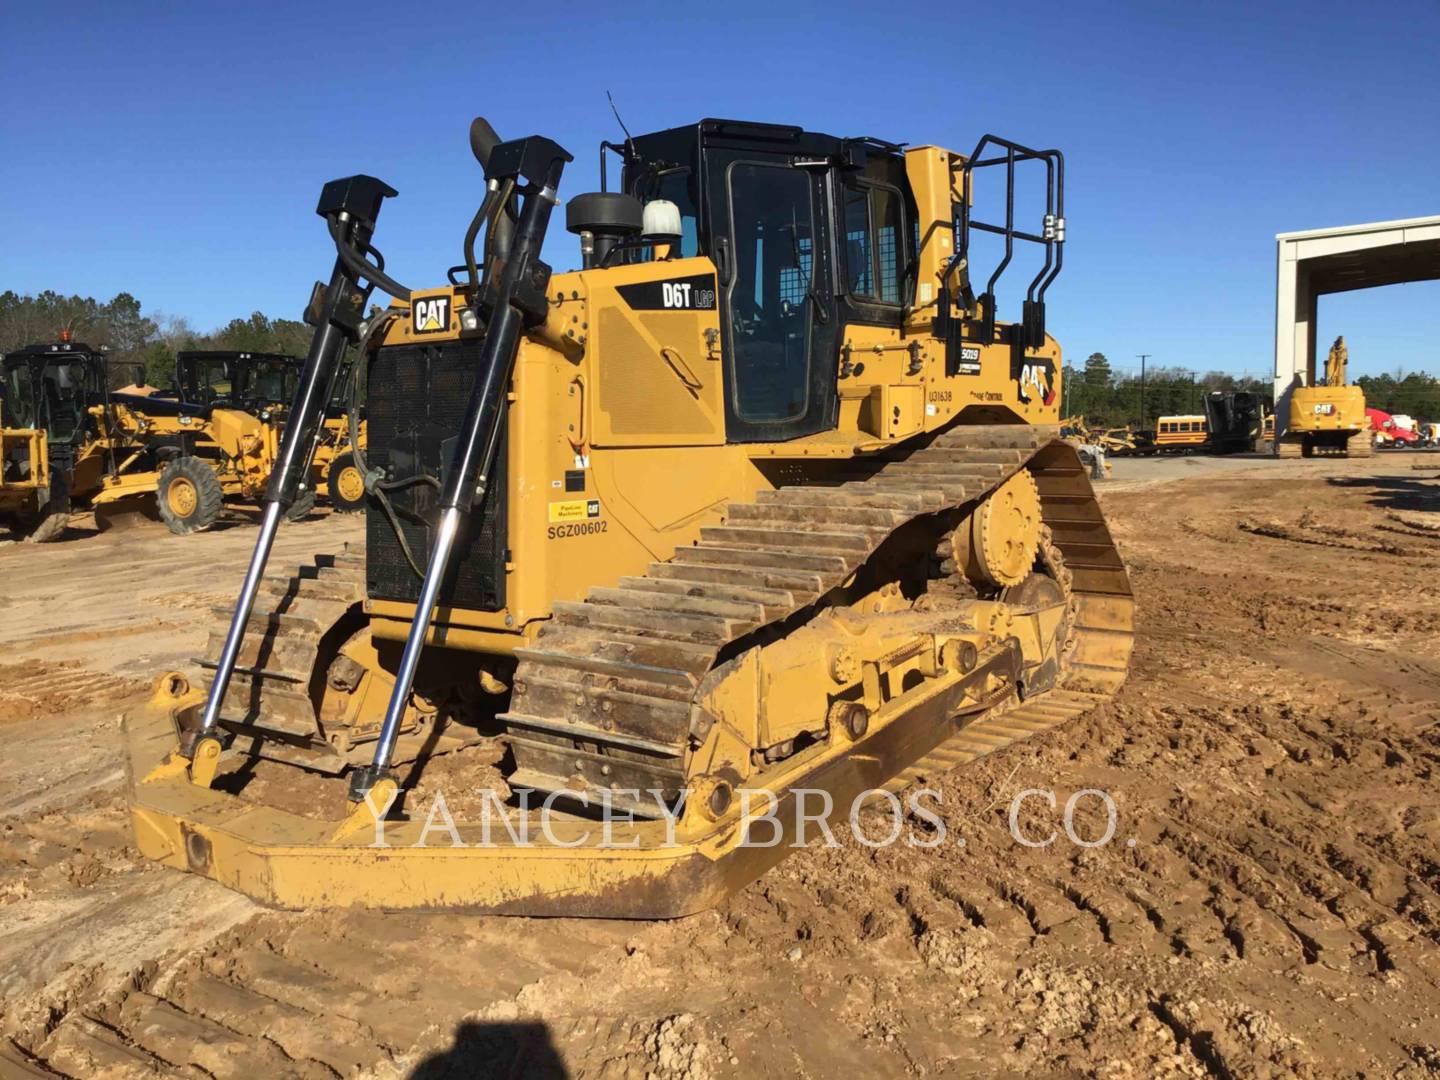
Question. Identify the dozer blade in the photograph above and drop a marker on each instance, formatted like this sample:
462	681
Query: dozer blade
649	704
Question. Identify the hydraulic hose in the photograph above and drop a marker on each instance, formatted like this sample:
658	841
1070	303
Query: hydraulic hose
470	236
359	387
500	235
362	267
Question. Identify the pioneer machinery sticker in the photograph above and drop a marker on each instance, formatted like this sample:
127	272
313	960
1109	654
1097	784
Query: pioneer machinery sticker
575	517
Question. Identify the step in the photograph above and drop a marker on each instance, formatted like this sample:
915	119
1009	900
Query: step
803	586
644	622
775	602
677	603
617	669
785	517
586	732
714	555
844	541
620	645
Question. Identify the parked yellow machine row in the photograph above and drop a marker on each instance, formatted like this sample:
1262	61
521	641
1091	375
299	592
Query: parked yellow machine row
69	442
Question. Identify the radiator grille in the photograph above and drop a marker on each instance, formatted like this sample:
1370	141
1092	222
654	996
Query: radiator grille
416	402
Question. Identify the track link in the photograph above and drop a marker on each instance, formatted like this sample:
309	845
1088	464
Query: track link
603	699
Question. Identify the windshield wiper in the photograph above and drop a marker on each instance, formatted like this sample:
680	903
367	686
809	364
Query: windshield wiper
810	294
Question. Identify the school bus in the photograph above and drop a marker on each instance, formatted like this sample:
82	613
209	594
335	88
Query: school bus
1180	434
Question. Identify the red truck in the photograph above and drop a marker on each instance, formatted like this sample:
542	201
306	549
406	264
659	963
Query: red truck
1388	434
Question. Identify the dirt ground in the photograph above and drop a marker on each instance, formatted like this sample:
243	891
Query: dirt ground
1269	904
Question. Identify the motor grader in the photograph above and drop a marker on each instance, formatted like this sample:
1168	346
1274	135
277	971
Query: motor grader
761	507
70	442
204	454
63	445
263	385
1089	443
335	467
255	382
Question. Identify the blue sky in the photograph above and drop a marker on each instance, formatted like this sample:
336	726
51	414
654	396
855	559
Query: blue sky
176	151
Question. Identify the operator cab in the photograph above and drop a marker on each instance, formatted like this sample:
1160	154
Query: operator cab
808	233
251	382
50	387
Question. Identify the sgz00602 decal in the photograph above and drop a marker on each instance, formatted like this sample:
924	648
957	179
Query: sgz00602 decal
576	528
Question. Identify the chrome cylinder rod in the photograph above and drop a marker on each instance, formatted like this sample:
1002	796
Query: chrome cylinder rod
236	634
448	529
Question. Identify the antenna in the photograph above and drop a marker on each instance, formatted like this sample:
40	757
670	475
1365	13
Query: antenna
629	139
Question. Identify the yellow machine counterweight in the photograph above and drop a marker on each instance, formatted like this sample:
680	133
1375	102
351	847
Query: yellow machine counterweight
761	509
1329	418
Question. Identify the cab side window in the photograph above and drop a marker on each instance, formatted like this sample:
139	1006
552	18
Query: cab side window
874	254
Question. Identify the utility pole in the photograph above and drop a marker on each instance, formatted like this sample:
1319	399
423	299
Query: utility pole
1143	358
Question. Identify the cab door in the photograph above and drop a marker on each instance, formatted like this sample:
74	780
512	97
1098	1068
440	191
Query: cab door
771	247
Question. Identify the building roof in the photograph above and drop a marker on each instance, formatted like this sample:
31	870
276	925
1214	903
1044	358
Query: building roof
1364	256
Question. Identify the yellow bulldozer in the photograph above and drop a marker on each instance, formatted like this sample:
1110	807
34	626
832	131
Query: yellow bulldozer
1329	418
673	561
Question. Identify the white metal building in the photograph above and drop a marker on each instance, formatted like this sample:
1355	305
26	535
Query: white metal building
1318	261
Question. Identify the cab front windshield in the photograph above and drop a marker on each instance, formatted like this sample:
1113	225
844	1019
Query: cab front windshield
212	380
273	382
51	396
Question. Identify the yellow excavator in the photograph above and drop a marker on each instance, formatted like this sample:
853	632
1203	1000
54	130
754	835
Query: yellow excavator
673	561
1329	418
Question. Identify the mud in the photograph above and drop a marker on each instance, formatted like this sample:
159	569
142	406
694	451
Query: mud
1268	904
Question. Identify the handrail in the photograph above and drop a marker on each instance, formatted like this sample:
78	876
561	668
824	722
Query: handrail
1051	235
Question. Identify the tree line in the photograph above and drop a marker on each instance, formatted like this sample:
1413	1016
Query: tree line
1106	399
1414	395
134	337
1095	391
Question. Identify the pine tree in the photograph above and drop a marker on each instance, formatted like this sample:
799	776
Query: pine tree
1097	370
